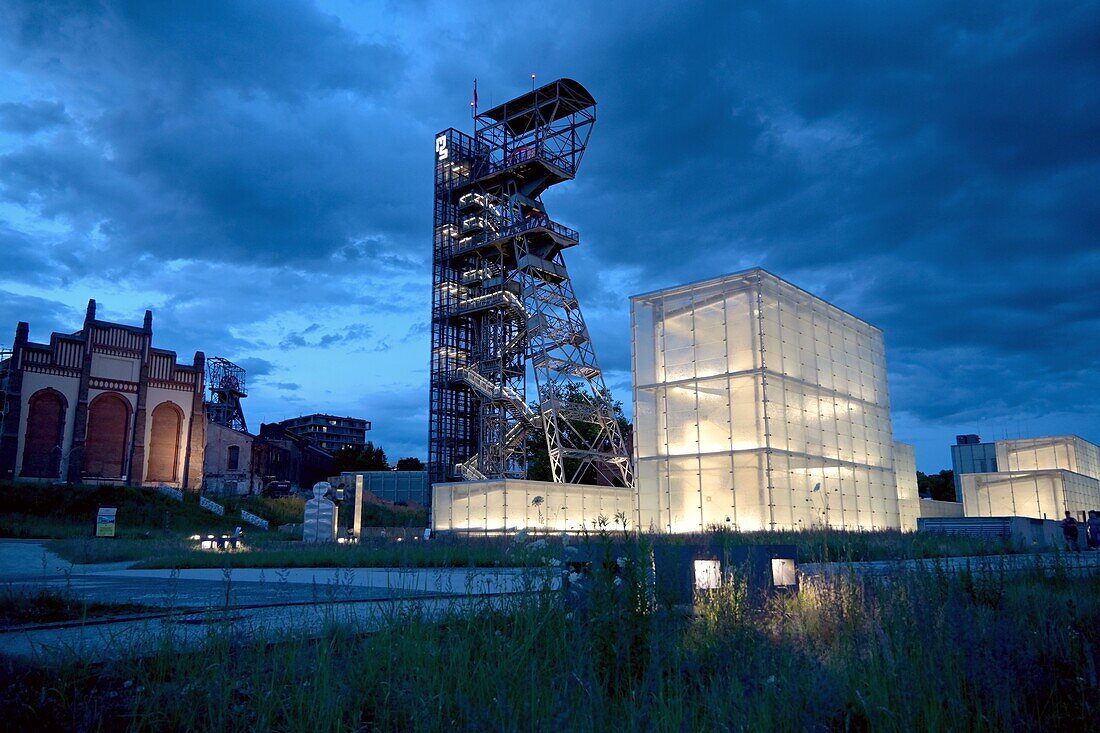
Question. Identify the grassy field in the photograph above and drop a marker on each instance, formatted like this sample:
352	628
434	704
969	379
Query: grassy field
458	551
443	552
70	511
919	650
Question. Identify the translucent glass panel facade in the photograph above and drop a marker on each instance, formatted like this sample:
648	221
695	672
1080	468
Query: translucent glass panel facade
406	486
931	508
758	406
1038	494
513	504
1068	452
905	472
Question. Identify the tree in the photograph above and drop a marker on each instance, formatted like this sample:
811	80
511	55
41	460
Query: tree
367	459
410	464
538	457
939	486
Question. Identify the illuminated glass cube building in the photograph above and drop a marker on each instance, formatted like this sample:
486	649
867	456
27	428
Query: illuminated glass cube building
759	406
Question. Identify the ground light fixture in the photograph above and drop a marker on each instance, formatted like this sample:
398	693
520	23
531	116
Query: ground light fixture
223	543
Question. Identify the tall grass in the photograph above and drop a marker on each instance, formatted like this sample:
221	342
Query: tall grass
918	650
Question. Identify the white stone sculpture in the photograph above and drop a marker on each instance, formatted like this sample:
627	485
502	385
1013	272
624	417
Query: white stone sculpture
320	517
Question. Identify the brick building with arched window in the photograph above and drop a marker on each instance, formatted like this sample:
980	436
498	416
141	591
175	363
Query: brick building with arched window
102	405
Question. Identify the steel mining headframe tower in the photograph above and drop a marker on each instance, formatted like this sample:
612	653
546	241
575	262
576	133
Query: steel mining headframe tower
502	297
225	381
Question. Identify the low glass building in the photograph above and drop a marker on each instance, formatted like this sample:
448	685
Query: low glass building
1036	477
759	406
409	487
509	505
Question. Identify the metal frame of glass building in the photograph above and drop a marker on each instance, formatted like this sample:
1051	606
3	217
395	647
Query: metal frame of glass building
759	406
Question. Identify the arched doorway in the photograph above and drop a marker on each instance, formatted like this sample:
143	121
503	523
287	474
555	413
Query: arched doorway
45	434
105	447
164	443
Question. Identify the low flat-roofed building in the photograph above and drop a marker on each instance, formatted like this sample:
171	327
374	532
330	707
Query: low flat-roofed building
759	406
507	505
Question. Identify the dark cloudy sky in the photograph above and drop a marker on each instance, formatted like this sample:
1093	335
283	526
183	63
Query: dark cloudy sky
259	174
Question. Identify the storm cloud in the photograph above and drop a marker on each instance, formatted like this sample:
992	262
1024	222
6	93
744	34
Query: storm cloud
260	175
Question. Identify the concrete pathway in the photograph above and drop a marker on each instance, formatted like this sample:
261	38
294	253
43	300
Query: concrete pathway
97	641
1074	563
29	565
186	605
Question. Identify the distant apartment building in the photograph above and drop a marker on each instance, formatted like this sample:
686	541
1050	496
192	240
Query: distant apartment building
1035	477
329	432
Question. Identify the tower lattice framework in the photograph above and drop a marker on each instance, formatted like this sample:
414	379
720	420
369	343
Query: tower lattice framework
225	382
502	300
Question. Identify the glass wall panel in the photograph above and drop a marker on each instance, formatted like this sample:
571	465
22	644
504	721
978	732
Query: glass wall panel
644	346
685	514
710	337
649	495
714	415
645	422
682	428
741	331
811	388
749	491
746	418
716	480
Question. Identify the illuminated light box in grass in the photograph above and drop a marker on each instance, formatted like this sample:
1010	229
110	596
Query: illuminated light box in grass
685	571
675	574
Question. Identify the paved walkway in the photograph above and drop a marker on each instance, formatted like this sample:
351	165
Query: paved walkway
1074	563
27	564
245	602
97	641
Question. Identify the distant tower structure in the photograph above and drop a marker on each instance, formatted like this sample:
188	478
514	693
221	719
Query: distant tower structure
225	382
502	299
7	370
